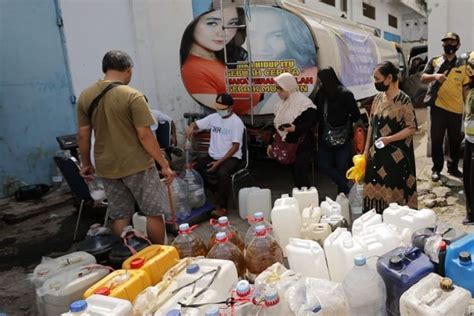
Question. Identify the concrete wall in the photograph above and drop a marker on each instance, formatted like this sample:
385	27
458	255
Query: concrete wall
35	104
450	16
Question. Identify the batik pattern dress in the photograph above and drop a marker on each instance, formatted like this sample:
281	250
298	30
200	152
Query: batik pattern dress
390	175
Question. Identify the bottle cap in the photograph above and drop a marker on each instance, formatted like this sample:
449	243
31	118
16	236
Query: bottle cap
359	260
260	230
173	312
258	216
221	236
137	263
103	291
443	246
243	288
395	262
78	306
192	268
212	311
223	220
184	227
465	257
446	284
271	297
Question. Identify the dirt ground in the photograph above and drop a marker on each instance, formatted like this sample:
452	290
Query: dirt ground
50	234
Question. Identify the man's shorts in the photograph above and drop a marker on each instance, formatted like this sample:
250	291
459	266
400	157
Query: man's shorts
143	187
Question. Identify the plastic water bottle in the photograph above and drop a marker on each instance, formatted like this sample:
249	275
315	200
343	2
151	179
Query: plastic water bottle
179	199
244	293
364	289
262	252
356	200
188	243
223	225
254	221
273	305
226	250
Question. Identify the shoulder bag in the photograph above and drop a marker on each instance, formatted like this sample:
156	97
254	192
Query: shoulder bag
334	136
285	153
434	86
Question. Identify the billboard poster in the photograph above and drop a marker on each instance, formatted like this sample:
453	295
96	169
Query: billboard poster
274	41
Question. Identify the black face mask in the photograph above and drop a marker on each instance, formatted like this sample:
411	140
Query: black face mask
450	49
380	86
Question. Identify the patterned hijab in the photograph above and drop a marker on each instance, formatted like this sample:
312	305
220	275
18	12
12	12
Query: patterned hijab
296	103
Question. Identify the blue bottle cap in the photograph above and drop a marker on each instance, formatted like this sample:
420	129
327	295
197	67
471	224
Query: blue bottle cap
212	311
359	260
258	215
78	306
260	229
184	226
271	295
192	268
173	312
243	288
223	220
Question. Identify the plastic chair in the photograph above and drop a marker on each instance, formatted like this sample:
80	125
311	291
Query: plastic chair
70	169
243	171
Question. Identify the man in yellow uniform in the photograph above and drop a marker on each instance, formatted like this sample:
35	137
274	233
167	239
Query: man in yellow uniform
449	73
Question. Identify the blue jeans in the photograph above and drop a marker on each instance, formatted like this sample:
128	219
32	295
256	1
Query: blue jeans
333	162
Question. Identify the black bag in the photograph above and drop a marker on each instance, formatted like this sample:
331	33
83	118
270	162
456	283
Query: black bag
31	192
334	136
433	87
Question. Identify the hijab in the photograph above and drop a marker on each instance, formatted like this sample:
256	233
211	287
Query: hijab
288	110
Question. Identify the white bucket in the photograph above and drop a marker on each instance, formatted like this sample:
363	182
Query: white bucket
307	257
259	200
286	220
306	197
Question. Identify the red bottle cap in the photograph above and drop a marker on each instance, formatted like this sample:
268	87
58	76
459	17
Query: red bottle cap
137	263
103	291
443	246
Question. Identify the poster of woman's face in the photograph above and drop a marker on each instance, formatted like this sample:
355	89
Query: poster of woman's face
260	43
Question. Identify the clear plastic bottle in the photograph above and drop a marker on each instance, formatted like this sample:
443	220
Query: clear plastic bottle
224	249
179	198
356	200
262	252
254	221
364	289
223	225
195	185
188	243
243	294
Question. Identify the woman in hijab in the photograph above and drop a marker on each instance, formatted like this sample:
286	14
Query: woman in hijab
337	108
295	116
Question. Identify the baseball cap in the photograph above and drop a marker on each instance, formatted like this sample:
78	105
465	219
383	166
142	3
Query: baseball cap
451	35
224	100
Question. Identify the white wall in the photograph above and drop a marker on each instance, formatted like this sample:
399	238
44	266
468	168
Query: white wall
450	16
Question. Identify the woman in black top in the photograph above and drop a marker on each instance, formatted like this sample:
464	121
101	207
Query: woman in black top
336	107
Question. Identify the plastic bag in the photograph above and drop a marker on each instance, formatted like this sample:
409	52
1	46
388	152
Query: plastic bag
311	296
357	172
276	276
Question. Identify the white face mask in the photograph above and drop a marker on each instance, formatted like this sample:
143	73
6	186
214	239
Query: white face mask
223	113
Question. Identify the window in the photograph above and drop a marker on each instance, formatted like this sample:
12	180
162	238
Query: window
344	5
330	2
392	21
368	11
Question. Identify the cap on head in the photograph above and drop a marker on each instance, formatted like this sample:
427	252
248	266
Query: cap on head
451	35
223	101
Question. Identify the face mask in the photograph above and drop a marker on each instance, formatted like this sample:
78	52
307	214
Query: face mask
380	86
450	49
223	113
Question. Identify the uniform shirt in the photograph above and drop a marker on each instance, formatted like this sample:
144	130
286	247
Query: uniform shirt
450	94
117	149
224	132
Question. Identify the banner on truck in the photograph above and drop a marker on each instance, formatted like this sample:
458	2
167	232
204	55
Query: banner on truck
279	42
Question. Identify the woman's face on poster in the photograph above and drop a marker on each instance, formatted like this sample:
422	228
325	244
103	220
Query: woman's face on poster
266	35
208	32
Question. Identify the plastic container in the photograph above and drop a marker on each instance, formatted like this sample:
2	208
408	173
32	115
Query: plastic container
254	221
364	289
317	232
192	280
273	303
124	284
307	257
335	221
405	218
343	201
311	215
276	276
364	221
155	260
59	291
195	187
243	293
262	252
243	199
99	242
139	223
356	200
340	249
226	250
459	265
179	198
306	197
400	269
286	220
260	200
50	267
188	243
330	207
434	296
449	235
223	225
100	305
132	240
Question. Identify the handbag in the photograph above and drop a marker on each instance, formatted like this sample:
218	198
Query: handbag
434	86
334	136
285	153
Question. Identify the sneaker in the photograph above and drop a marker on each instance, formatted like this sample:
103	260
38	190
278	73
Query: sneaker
467	221
455	173
435	176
